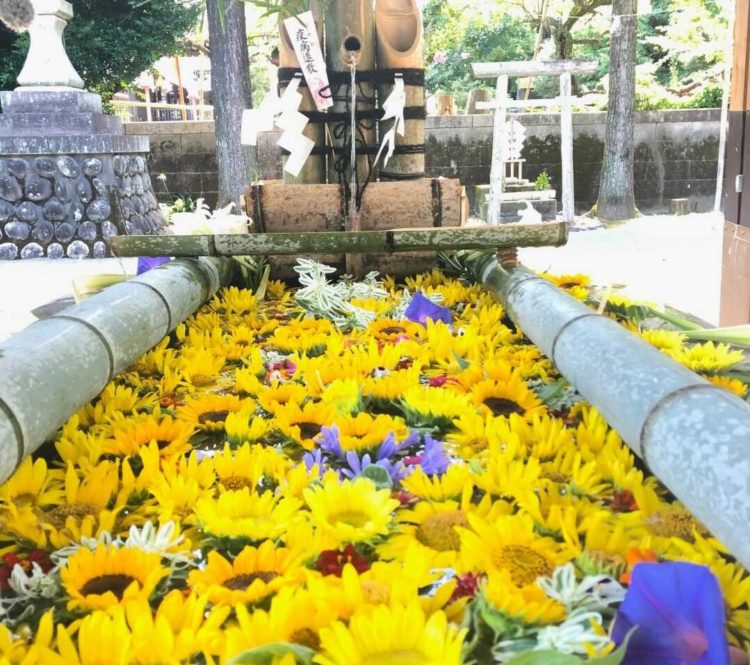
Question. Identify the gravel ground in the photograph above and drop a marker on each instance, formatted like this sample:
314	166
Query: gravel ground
662	259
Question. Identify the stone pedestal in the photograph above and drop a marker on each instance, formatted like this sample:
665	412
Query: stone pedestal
514	198
69	178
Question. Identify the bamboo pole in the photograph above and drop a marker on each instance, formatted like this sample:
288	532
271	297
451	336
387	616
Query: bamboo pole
339	242
314	170
400	41
692	435
57	365
350	20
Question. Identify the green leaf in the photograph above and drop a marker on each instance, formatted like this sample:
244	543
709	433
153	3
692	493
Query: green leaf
264	655
379	476
616	657
463	364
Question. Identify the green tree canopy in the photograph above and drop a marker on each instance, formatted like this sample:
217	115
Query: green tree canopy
110	42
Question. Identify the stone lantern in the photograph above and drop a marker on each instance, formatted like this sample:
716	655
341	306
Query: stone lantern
70	178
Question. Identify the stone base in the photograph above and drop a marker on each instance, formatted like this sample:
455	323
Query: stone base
73	181
514	200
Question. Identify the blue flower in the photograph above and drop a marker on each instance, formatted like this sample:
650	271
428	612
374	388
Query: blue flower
146	263
421	309
329	441
435	460
678	609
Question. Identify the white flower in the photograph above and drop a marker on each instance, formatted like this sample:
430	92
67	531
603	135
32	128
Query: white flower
161	541
593	592
574	635
37	585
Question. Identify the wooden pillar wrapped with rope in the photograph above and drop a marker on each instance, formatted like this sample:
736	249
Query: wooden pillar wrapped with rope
350	36
400	42
314	170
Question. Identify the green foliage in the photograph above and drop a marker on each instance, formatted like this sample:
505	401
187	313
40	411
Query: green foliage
557	658
455	38
110	42
542	182
267	654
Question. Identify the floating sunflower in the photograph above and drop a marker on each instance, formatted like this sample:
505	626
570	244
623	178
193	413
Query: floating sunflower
526	604
510	543
244	426
245	516
708	358
349	511
32	484
302	424
363	432
246	465
450	485
102	637
201	368
109	575
433	407
735	386
233	301
502	399
210	411
170	436
392	636
272	398
253	574
344	395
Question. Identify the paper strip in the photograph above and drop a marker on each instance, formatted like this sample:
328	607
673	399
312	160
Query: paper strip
304	37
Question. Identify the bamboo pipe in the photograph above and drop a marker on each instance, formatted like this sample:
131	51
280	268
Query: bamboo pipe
350	20
693	435
314	170
55	366
400	40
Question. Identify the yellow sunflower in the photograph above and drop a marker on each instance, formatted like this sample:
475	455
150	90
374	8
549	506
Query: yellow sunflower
244	426
388	385
253	574
271	398
351	511
303	424
708	358
735	386
91	505
510	543
201	368
363	431
392	331
576	285
526	603
107	576
504	398
437	407
103	639
32	484
245	515
451	485
211	411
246	465
344	395
234	301
398	635
669	341
171	437
306	336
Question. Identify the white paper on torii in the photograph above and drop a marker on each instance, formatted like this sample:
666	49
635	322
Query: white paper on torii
393	108
293	123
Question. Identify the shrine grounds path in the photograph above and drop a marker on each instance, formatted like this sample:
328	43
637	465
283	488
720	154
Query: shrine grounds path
658	258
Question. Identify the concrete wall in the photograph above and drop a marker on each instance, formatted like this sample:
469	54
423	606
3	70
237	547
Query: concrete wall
676	154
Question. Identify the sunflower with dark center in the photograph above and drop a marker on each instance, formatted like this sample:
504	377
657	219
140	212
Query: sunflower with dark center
108	575
255	573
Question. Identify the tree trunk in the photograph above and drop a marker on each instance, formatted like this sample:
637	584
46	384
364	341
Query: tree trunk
616	190
230	85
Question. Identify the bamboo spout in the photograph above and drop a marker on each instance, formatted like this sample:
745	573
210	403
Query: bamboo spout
351	50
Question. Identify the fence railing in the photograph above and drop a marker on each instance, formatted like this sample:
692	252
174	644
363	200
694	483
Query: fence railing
132	111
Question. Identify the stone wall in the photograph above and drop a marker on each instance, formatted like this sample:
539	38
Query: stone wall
676	154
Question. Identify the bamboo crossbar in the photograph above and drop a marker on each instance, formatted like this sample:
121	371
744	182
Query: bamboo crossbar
491	70
350	242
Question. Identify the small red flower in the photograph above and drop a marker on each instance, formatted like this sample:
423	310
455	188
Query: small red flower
332	562
438	381
10	560
623	502
466	587
405	498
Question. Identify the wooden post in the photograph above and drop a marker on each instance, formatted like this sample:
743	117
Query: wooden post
566	147
497	170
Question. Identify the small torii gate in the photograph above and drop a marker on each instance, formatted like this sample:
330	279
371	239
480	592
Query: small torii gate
502	71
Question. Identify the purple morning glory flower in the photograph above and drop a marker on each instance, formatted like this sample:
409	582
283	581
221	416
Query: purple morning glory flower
421	309
434	460
146	263
314	458
678	609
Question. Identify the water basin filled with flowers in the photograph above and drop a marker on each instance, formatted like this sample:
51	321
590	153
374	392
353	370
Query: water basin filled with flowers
360	473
